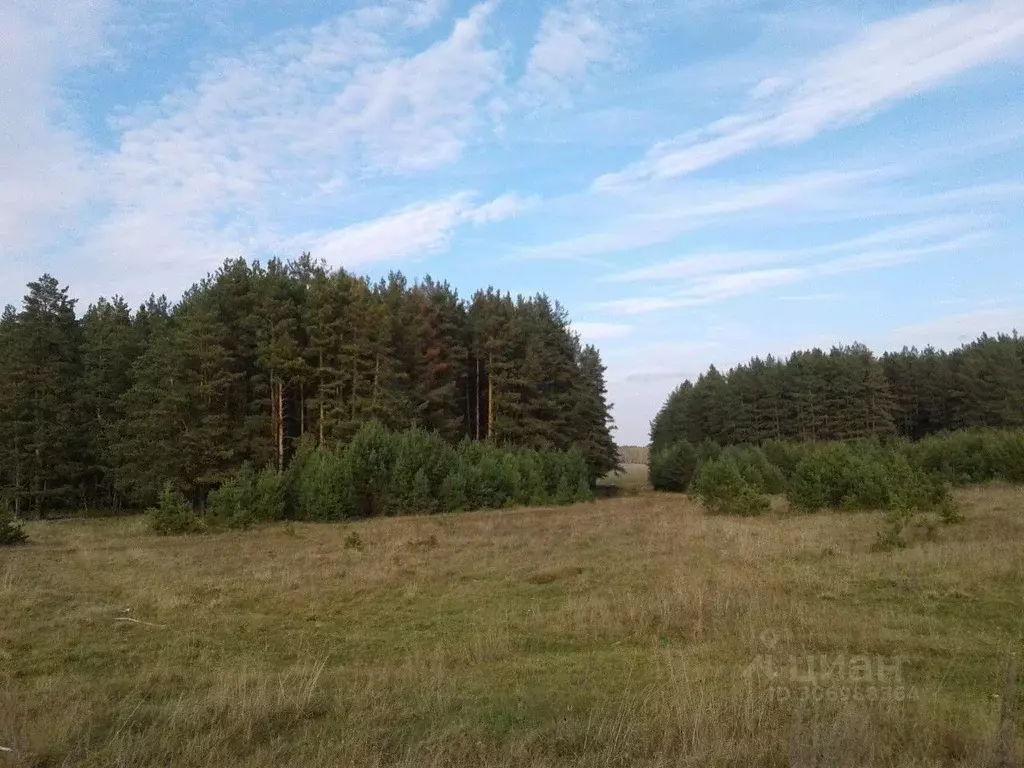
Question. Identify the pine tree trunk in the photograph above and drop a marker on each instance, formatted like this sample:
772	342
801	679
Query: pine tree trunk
280	426
273	415
476	415
490	398
376	384
355	375
320	397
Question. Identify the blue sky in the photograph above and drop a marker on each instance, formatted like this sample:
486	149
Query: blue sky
697	181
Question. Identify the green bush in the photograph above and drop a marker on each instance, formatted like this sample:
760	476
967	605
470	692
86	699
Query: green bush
864	475
673	468
453	494
233	504
820	479
577	474
173	515
322	489
756	470
721	488
270	495
532	487
413	471
959	458
785	455
421	462
370	459
1006	455
11	532
290	480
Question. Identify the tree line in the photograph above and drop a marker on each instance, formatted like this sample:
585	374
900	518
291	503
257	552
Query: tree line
104	409
849	393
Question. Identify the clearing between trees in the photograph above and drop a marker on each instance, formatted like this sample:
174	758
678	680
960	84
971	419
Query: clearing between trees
635	631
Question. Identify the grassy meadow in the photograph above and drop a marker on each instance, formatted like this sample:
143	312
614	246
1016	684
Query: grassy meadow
634	631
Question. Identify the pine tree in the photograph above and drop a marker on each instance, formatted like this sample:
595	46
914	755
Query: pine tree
110	347
46	432
593	415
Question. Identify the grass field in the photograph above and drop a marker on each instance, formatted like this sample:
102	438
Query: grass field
636	631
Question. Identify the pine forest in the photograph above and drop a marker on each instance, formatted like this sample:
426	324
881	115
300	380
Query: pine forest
110	408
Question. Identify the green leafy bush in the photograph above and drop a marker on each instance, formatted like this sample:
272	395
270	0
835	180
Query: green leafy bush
532	489
864	475
233	504
721	488
421	462
784	455
370	459
173	515
821	478
453	493
1006	455
322	488
270	495
11	531
673	468
756	470
414	471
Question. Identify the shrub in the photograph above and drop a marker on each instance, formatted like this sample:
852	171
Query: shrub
497	479
231	505
756	470
959	458
11	532
453	493
722	490
173	515
307	448
421	462
820	479
577	474
322	489
532	489
369	459
864	475
673	468
1006	455
748	503
785	455
270	495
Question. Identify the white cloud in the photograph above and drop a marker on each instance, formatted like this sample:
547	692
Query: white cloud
955	330
290	127
661	215
501	208
698	265
45	176
591	332
572	39
704	288
417	230
888	62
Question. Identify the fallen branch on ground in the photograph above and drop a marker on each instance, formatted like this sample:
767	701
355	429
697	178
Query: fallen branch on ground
136	621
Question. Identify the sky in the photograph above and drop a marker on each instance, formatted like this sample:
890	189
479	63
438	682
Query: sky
696	181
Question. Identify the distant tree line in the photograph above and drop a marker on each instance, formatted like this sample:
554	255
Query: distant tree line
104	409
850	393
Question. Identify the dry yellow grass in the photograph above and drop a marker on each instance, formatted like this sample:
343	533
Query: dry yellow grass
631	632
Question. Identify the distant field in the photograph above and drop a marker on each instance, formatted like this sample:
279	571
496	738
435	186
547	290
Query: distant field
634	454
632	479
632	632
